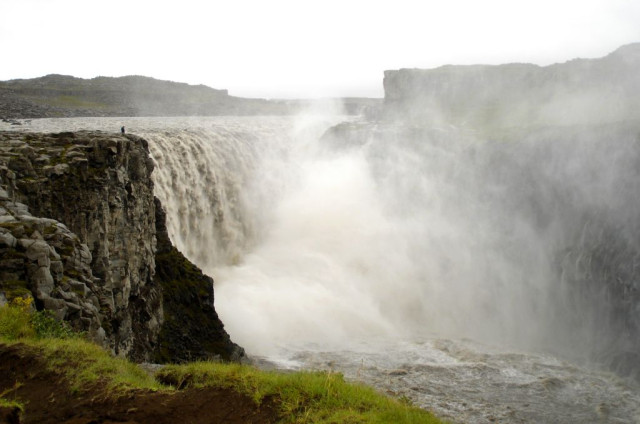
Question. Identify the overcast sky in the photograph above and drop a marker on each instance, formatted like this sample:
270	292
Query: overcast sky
287	48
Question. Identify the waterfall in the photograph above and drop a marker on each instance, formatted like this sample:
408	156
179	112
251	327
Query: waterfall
438	264
402	232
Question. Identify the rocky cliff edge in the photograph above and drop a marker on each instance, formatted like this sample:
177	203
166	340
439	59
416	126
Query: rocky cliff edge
81	232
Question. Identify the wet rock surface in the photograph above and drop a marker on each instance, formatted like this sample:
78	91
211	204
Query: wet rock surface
78	233
191	328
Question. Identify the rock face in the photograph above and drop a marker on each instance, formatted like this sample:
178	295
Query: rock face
191	329
580	91
93	260
42	258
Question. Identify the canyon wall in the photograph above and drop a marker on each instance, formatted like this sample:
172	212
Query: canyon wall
581	91
78	232
542	161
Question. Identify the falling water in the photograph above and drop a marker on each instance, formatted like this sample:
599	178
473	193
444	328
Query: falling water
423	262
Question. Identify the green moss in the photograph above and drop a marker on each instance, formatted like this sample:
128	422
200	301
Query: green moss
72	272
62	156
15	288
78	291
183	279
50	229
191	328
11	225
12	293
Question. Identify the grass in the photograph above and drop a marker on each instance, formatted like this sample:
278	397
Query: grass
15	321
10	403
85	363
302	397
19	321
6	403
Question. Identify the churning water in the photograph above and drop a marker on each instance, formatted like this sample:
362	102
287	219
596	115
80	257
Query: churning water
484	280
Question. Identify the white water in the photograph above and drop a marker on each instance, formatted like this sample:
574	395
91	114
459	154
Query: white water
371	259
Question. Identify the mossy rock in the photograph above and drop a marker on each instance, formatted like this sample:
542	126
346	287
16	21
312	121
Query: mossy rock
50	229
192	329
15	288
11	253
72	272
11	226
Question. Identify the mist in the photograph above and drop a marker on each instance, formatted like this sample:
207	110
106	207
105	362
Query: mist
496	268
370	231
477	232
496	204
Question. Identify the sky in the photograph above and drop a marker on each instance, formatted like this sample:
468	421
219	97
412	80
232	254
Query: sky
296	49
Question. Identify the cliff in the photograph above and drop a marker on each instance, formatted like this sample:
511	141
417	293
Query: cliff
543	159
79	232
191	328
580	91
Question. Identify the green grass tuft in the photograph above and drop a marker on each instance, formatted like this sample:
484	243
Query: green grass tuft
66	351
47	327
11	403
85	363
15	320
19	321
303	397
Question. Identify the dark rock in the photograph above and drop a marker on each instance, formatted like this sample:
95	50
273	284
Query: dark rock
192	329
10	415
98	269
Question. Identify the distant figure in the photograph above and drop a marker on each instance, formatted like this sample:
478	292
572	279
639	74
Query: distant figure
122	129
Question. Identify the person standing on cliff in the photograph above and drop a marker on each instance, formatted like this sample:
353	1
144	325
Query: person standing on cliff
122	129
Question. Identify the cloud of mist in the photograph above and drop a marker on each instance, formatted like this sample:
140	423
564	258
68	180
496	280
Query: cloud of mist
524	237
411	235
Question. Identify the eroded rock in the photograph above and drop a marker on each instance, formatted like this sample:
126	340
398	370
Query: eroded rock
92	260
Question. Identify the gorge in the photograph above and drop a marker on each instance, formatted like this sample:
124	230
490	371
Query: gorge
475	249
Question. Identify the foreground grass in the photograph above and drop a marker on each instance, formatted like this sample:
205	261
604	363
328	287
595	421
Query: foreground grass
10	403
82	362
302	397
